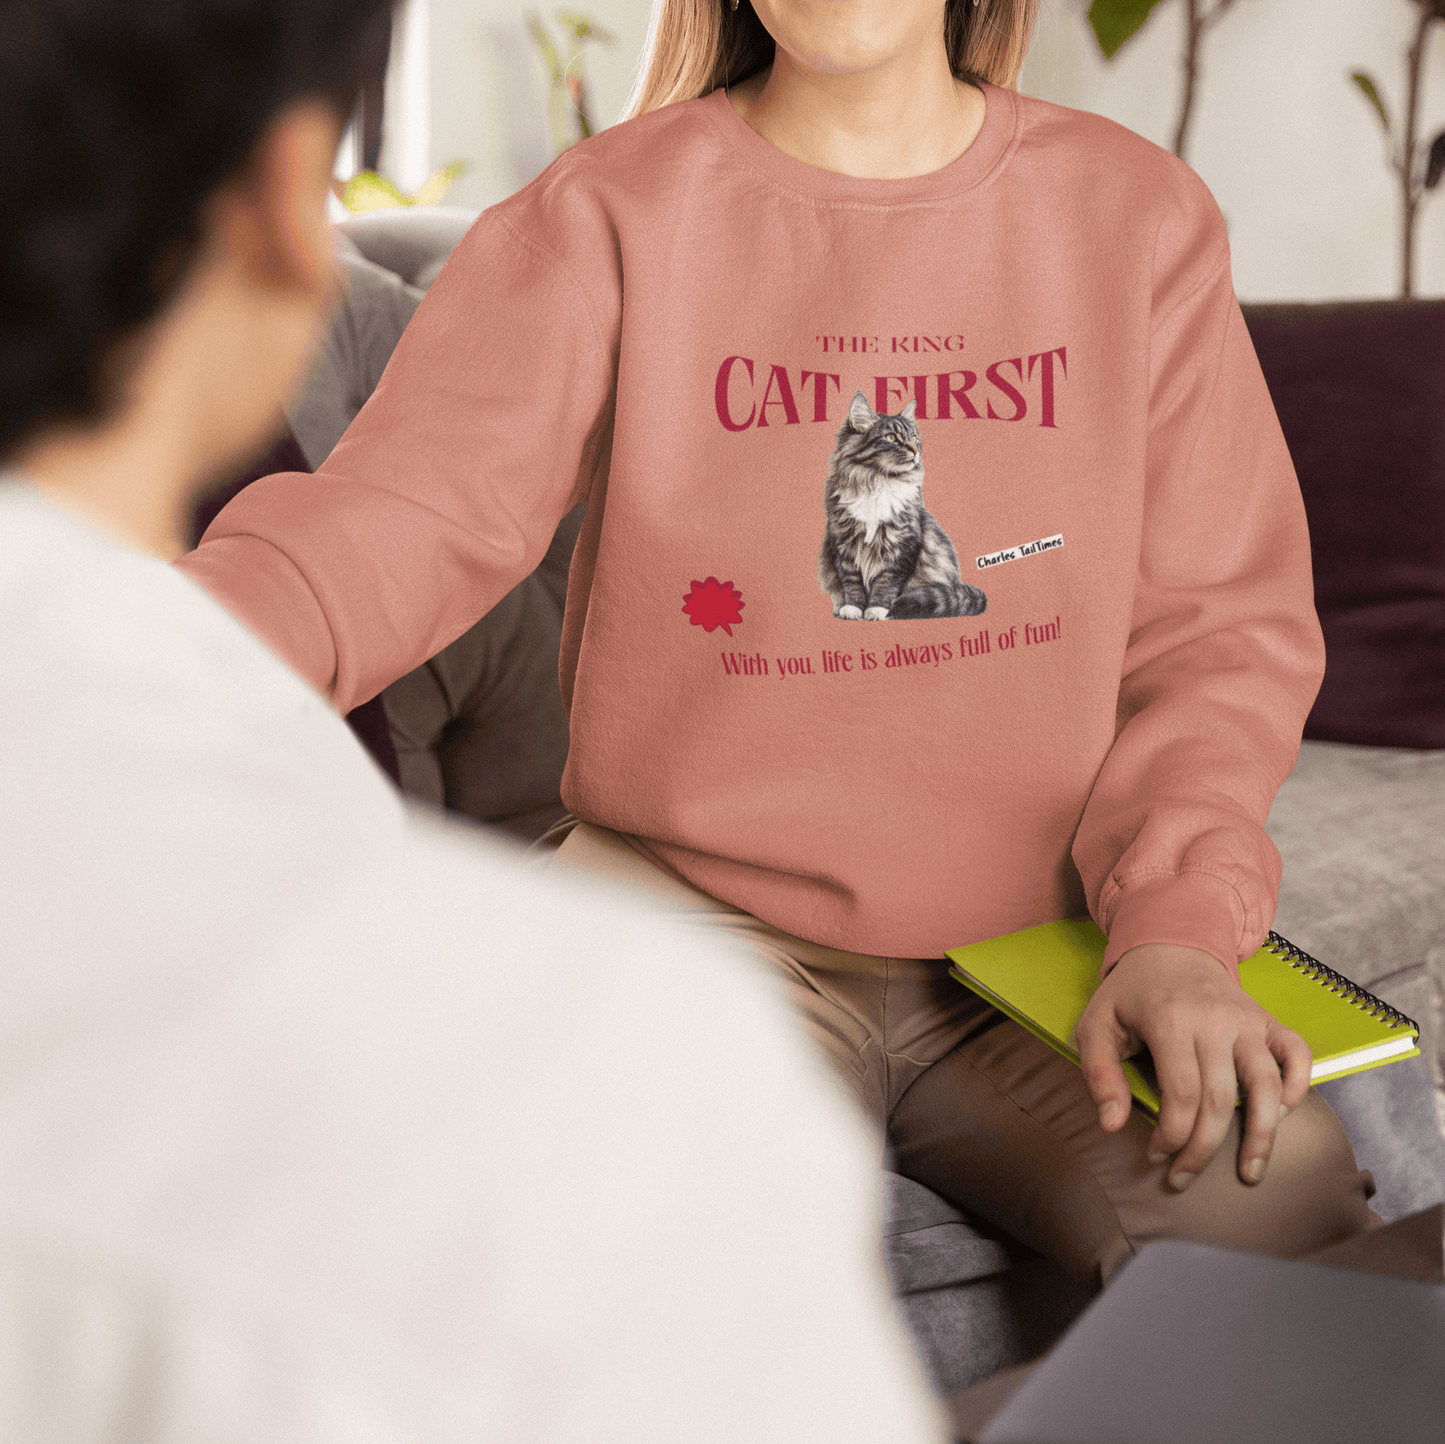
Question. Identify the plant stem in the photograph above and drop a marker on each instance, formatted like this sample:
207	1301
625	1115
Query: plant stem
1193	33
1405	164
1196	22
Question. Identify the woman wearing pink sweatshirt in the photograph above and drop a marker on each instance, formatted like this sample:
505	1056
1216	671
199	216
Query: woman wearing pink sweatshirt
834	253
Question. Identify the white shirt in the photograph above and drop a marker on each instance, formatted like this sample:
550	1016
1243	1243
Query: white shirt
321	1120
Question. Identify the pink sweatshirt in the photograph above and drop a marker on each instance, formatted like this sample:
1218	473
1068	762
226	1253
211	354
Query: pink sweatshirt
670	324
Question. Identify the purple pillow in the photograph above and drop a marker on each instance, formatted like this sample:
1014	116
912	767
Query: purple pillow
284	455
1360	392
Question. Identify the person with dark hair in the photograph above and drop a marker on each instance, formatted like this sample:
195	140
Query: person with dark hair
304	1132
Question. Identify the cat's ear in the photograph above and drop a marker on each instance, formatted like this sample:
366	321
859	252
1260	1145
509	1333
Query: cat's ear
860	414
907	412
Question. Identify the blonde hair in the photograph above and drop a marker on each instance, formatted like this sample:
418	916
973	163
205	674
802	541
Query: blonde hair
694	46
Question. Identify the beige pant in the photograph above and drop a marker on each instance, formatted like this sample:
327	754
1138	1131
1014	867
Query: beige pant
983	1113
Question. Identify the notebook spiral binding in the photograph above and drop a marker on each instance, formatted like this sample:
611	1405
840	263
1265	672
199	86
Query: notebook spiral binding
1338	983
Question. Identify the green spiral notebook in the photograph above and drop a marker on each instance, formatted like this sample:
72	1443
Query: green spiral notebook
1044	977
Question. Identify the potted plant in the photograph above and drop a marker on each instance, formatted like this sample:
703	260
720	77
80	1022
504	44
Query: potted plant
1115	22
1419	167
568	113
369	191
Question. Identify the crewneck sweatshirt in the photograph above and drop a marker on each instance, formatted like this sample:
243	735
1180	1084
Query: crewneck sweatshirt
670	324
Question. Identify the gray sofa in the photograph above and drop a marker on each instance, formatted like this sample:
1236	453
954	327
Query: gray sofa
480	730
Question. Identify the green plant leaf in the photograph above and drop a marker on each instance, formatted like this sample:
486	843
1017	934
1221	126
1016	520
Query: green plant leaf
438	183
585	29
367	191
543	42
1436	166
1372	94
1117	21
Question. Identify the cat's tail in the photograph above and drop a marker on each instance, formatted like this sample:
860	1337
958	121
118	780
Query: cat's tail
938	599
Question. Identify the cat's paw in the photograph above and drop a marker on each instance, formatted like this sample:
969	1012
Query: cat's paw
876	614
849	614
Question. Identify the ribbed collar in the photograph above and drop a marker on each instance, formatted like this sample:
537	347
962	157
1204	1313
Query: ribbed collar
975	165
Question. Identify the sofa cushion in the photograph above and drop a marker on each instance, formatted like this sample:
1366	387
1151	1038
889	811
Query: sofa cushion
370	315
480	729
409	241
1359	829
928	1243
973	1300
1360	392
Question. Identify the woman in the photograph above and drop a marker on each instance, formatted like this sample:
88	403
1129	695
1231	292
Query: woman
832	249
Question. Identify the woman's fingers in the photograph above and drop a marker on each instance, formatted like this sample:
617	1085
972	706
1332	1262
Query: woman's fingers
1210	1040
1214	1093
1294	1056
1204	1098
1259	1077
1102	1047
1180	1091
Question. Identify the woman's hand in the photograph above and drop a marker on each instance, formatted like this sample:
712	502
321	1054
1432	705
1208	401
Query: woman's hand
1206	1035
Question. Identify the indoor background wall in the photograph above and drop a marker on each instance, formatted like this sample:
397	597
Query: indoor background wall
1290	148
489	86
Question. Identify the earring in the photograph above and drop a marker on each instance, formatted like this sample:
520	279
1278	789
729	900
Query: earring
735	5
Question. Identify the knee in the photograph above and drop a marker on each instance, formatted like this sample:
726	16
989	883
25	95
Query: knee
1313	1193
1321	1194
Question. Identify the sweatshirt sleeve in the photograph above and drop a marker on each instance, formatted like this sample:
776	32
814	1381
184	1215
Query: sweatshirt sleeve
1224	655
486	428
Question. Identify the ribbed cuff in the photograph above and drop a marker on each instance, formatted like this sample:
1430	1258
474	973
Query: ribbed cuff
1189	910
276	605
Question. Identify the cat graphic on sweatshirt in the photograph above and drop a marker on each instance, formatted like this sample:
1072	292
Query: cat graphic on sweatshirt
884	554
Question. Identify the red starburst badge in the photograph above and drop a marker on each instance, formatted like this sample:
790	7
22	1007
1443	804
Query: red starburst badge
713	604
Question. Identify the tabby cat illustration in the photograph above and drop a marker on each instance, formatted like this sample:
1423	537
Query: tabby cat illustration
884	554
